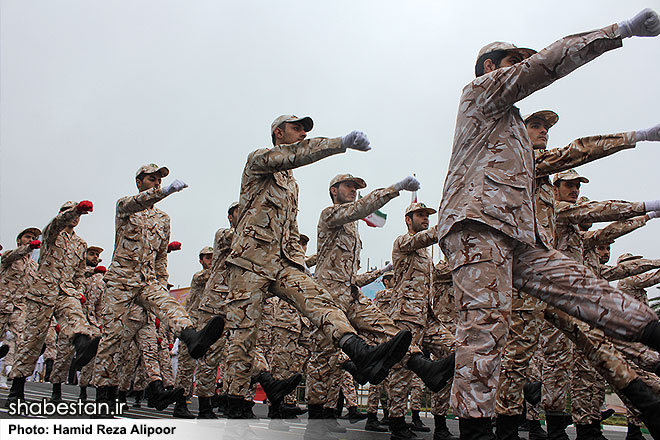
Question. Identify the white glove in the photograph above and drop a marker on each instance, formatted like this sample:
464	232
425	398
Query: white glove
644	24
650	134
409	184
356	140
652	205
387	268
175	186
653	214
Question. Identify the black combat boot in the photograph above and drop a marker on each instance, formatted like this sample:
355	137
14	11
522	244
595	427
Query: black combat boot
49	369
386	418
400	429
291	411
375	361
121	396
86	348
597	430
159	398
651	336
340	405
239	408
417	424
198	342
181	410
441	432
205	409
4	349
532	392
275	389
16	392
56	395
647	402
476	429
373	424
331	421
506	427
584	431
138	399
434	374
536	432
83	394
634	432
357	374
556	425
354	415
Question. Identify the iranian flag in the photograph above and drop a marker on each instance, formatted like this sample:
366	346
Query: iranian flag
375	219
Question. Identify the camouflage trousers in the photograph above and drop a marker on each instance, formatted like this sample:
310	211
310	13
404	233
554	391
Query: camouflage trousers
14	323
207	366
440	341
644	357
165	363
289	355
557	364
51	341
377	393
143	335
68	312
534	375
348	390
129	367
117	300
248	291
486	266
524	329
63	358
401	378
185	370
323	375
587	391
416	393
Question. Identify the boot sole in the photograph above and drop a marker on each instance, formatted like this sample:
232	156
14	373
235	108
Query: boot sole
397	351
161	404
208	335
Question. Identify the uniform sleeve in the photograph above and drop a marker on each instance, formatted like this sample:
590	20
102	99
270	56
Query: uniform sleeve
161	258
338	215
582	151
139	202
509	85
412	242
61	220
593	212
629	268
644	280
288	157
9	257
613	231
365	278
311	260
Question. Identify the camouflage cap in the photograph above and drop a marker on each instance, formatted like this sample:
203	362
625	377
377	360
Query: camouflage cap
206	250
304	239
306	122
549	117
569	175
388	274
627	257
34	231
68	205
348	178
419	206
95	248
501	45
152	168
232	207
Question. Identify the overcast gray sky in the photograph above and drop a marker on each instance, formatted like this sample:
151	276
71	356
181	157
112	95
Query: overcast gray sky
91	90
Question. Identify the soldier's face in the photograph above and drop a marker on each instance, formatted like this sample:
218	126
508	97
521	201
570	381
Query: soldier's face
73	223
603	252
206	260
304	247
346	192
538	134
419	221
92	258
148	182
508	61
25	239
232	219
293	132
568	191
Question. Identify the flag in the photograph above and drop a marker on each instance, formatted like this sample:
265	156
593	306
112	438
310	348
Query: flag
375	219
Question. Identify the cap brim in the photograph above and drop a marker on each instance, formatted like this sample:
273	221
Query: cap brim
547	116
95	248
358	181
34	231
162	171
306	122
429	211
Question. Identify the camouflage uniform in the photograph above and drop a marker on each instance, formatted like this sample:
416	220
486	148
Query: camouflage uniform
55	292
139	328
51	340
212	303
526	320
94	290
186	364
17	273
165	338
138	271
382	300
409	306
267	257
489	231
